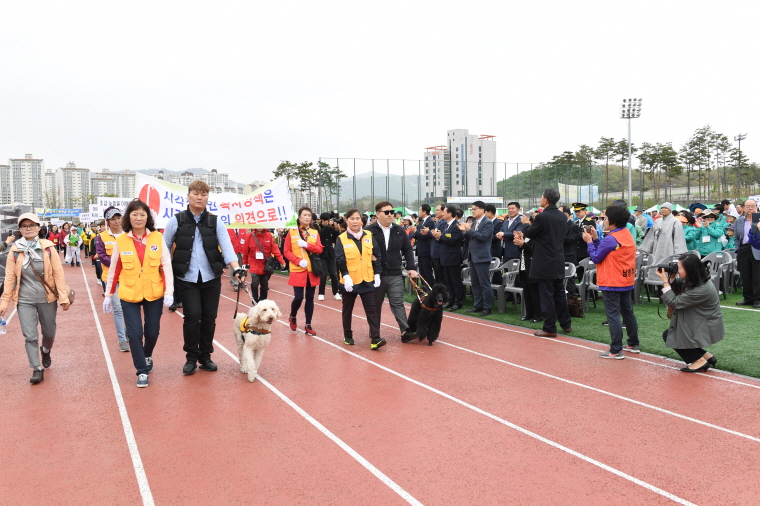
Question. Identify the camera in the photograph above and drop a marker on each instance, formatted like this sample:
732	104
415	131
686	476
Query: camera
669	268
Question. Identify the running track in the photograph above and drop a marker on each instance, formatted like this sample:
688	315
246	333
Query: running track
489	415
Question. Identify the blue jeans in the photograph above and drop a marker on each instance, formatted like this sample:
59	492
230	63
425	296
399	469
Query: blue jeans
118	317
136	330
615	305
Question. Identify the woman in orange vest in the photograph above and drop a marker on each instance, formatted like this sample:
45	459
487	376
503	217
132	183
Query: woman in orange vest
359	275
615	259
142	267
297	244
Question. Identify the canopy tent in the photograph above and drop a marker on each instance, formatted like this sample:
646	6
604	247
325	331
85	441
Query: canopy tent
405	211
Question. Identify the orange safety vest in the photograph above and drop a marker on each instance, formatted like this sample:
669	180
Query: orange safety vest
138	282
295	234
618	269
359	265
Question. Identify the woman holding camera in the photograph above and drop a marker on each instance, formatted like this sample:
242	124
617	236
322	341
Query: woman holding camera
257	249
697	320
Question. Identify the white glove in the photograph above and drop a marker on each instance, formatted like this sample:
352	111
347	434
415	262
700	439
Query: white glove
107	305
377	280
168	300
303	263
302	243
348	283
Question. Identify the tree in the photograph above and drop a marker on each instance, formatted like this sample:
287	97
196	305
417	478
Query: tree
604	151
328	181
51	200
621	154
286	169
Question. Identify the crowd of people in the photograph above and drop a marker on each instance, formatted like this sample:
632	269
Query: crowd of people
143	269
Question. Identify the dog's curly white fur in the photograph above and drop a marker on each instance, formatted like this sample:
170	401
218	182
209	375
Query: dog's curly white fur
251	349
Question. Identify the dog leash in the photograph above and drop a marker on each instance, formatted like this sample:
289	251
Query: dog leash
241	284
420	292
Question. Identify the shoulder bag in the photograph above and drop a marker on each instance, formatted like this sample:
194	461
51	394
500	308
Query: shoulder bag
53	289
271	263
316	263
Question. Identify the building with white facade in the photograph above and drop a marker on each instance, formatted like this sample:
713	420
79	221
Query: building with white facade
300	198
464	166
26	180
6	195
49	194
121	184
73	186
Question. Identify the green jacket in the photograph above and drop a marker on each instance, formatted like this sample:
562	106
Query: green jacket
712	232
692	235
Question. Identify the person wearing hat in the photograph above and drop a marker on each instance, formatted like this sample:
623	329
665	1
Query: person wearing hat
583	220
104	244
691	233
710	234
665	239
34	281
730	231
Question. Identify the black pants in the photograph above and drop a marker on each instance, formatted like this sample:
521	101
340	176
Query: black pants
688	355
368	301
554	304
438	272
260	286
300	293
98	270
425	269
200	301
531	297
332	272
749	270
453	276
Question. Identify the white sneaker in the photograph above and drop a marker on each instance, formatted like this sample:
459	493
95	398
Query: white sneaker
338	297
321	297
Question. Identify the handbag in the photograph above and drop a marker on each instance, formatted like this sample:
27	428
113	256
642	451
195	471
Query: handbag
54	290
575	306
316	264
271	264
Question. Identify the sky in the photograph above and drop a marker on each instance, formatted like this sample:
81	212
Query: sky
239	86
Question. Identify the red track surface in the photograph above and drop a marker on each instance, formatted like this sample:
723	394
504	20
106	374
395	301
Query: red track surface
489	415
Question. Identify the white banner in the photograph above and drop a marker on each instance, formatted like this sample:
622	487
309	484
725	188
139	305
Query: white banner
267	207
94	210
56	221
84	218
106	202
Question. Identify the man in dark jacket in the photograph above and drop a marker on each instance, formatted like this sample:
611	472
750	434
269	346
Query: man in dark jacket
435	247
480	233
572	236
497	247
450	240
422	240
328	235
513	223
393	242
547	233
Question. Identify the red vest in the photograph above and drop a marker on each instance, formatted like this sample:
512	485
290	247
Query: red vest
618	269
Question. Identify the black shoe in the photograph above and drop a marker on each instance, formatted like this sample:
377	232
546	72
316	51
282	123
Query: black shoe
37	376
712	361
45	358
448	305
208	365
474	310
408	337
525	318
698	369
173	307
537	320
485	312
756	305
744	302
455	307
348	340
189	368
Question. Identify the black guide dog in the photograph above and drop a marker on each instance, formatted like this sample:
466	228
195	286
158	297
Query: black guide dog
425	317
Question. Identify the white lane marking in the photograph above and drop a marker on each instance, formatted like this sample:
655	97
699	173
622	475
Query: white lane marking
142	478
589	387
740	309
324	430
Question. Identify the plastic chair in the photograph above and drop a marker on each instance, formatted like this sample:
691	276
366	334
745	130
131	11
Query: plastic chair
720	263
587	284
642	260
653	280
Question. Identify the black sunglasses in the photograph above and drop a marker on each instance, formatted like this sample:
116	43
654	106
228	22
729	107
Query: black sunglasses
390	211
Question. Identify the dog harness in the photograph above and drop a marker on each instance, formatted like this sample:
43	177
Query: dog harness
252	330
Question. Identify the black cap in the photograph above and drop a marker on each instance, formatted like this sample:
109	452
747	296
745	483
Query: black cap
579	207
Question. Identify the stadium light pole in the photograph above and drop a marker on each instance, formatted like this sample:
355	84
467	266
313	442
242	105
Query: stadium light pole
630	109
739	138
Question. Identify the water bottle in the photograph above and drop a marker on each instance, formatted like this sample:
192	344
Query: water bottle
2	326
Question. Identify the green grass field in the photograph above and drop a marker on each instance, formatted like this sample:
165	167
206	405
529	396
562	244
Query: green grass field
738	352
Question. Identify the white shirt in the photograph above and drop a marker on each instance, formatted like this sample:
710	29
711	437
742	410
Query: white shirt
386	234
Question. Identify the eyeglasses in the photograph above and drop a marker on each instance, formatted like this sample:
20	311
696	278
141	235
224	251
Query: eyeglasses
389	211
29	227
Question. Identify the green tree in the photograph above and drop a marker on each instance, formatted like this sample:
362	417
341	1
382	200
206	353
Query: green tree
604	151
621	155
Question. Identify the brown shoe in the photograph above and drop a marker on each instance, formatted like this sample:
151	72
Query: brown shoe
567	330
545	334
37	376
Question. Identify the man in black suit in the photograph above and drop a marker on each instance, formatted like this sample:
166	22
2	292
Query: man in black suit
748	257
450	239
497	247
570	244
422	240
435	253
547	233
480	233
512	224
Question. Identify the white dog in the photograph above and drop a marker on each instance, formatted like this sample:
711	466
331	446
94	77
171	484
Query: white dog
253	333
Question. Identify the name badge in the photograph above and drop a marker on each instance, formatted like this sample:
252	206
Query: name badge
242	241
259	255
705	238
448	235
349	245
126	253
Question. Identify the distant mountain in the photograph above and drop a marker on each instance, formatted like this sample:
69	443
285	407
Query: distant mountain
364	186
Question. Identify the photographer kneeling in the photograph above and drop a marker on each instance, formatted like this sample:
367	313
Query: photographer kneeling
697	320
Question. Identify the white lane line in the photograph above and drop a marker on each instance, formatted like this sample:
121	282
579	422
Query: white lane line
134	453
588	387
324	430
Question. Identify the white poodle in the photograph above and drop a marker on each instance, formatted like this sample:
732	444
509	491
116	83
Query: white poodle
253	331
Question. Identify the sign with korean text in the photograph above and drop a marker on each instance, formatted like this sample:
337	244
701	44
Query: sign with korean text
267	207
106	202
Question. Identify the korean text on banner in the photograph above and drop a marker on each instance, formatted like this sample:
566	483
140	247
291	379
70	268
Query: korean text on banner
106	202
266	207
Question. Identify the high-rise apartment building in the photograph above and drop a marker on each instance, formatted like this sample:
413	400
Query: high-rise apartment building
73	186
26	180
6	194
122	184
465	166
49	195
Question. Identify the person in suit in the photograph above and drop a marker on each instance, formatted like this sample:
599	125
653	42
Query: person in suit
449	239
548	232
497	246
570	245
423	239
513	223
435	254
480	233
582	219
748	256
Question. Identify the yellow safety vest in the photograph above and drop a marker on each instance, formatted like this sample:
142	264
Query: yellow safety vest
138	282
359	265
300	252
108	241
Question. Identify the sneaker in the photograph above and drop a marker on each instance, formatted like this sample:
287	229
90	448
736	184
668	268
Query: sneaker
377	343
338	297
45	358
608	354
142	381
149	363
348	340
321	297
124	345
37	376
292	322
310	331
632	349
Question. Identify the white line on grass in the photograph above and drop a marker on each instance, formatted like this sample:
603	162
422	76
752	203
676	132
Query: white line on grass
134	453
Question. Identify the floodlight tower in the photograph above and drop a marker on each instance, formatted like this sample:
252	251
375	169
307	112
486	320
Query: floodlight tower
739	138
630	109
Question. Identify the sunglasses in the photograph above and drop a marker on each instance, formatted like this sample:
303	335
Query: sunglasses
390	211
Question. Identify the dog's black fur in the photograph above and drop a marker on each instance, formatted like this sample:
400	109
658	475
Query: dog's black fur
426	323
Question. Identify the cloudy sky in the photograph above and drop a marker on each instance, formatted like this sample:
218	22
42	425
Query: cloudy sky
238	86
